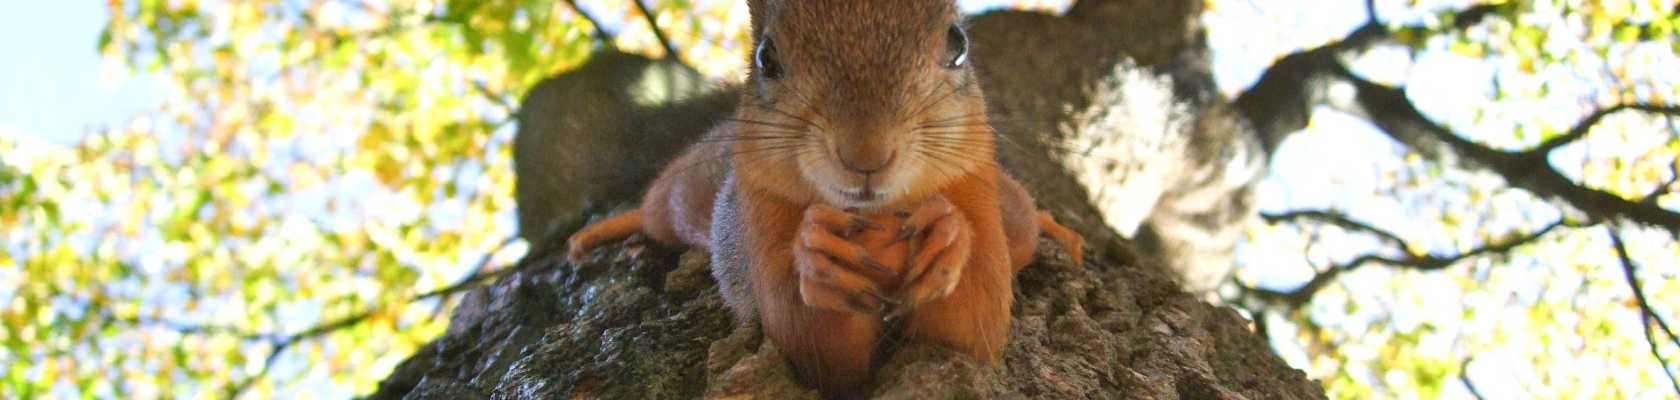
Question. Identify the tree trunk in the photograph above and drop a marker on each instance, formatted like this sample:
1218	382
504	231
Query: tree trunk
1117	90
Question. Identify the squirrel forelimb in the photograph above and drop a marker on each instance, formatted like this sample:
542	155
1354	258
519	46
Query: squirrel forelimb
857	179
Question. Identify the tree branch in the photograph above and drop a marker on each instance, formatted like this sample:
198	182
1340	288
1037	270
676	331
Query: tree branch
601	33
184	327
495	98
1301	295
1464	377
653	25
1666	186
1390	110
1464	371
1646	312
1281	102
1585	124
283	342
1338	219
1473	15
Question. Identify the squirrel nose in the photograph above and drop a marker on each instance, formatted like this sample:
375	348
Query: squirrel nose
867	162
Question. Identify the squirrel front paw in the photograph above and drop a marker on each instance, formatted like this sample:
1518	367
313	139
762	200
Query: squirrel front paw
835	273
942	240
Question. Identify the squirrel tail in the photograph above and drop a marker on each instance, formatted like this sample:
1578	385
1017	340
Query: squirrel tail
612	228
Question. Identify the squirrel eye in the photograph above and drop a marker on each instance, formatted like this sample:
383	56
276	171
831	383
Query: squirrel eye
956	40
767	60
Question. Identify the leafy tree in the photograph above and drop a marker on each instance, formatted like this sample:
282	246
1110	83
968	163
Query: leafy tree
323	177
1520	236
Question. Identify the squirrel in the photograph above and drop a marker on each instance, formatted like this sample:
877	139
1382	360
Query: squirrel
858	117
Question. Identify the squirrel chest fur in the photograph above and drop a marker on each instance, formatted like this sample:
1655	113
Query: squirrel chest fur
856	183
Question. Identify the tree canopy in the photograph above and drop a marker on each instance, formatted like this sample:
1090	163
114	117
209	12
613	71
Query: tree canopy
322	178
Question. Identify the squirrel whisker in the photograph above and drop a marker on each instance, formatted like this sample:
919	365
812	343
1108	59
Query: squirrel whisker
742	138
788	150
969	124
941	165
957	153
974	135
1060	149
924	107
784	113
766	123
954	119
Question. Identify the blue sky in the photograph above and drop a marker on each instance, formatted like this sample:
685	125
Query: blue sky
50	84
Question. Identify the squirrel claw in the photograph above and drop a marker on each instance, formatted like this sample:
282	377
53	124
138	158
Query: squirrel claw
881	302
936	264
897	312
859	223
925	216
574	254
882	297
905	233
863	305
876	265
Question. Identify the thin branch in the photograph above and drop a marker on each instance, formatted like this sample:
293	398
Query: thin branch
497	98
1666	186
653	25
1662	363
187	328
1301	295
601	34
280	345
1393	112
283	342
476	276
1646	312
1341	220
1585	124
1464	377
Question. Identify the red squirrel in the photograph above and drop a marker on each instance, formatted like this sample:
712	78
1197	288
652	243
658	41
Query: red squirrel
858	117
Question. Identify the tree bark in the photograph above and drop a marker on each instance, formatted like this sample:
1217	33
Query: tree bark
1118	90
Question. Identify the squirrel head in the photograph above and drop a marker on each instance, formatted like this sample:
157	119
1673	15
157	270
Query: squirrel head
866	104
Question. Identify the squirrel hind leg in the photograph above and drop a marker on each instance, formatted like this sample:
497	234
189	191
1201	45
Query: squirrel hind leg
833	352
1070	241
612	228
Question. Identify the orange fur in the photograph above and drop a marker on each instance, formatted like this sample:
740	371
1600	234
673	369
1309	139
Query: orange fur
831	350
1019	225
676	210
612	228
974	316
869	119
1071	242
